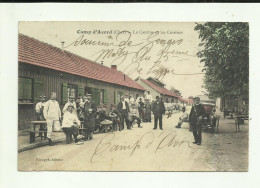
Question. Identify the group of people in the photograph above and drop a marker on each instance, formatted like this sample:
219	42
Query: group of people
50	111
129	112
84	111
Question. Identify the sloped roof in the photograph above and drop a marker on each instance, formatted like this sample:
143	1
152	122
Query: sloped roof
156	80
41	54
185	100
161	90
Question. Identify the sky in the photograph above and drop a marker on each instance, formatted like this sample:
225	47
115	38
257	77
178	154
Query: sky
165	50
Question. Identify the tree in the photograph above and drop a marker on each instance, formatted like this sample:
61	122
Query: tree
225	54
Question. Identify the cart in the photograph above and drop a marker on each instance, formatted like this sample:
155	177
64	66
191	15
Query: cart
210	122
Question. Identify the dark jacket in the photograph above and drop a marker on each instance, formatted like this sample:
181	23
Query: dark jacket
141	105
89	117
89	105
159	108
120	107
196	112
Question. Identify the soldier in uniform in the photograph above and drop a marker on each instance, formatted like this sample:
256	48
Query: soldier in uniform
52	114
195	119
39	113
123	109
141	107
90	110
158	110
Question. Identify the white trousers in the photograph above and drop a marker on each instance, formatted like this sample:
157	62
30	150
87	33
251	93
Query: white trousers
52	125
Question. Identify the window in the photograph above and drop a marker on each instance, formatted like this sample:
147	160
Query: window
102	96
69	90
117	96
72	90
95	95
38	90
88	90
25	90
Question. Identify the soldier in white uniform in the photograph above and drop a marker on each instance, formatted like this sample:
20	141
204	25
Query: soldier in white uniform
70	125
39	108
39	113
52	114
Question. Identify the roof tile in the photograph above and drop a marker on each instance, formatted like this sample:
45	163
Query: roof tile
161	90
41	54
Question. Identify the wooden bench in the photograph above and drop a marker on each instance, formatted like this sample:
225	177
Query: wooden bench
33	132
32	135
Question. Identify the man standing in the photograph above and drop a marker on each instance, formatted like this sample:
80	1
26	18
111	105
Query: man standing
90	110
158	110
196	114
123	109
52	114
39	108
141	106
39	112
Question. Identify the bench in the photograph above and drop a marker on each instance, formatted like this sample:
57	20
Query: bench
32	135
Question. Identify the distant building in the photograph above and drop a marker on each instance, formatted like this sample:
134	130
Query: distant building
185	101
206	99
156	88
44	68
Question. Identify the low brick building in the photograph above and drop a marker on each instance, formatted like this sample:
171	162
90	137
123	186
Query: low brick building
44	68
156	88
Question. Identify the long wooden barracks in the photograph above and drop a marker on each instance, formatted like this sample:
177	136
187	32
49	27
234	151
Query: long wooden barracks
44	68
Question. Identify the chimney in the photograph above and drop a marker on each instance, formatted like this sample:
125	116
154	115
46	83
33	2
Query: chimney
62	45
114	67
102	63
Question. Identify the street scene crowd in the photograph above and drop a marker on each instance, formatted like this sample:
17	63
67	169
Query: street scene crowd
82	117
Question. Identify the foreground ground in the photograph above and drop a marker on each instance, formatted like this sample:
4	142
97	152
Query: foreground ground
144	149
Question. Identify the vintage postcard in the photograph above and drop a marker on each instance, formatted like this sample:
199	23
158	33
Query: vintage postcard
133	96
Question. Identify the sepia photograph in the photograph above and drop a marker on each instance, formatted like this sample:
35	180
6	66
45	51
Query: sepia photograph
133	96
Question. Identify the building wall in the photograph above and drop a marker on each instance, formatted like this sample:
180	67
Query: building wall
152	91
155	93
52	81
169	98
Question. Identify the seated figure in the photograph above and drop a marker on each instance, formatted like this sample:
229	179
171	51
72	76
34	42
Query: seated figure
70	125
183	118
134	115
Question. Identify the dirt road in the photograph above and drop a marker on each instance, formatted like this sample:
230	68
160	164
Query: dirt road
145	149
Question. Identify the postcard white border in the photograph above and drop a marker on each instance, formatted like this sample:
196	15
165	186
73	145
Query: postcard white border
10	14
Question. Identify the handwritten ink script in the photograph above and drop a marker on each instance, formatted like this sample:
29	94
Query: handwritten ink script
147	141
152	50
